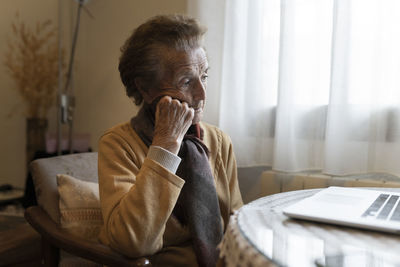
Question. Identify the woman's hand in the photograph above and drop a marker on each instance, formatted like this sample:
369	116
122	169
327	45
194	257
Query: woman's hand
172	121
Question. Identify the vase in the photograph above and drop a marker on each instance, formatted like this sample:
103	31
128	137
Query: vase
35	137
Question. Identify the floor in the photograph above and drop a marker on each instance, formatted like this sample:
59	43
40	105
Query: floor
20	245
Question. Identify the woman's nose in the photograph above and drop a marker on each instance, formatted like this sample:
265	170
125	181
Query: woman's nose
199	92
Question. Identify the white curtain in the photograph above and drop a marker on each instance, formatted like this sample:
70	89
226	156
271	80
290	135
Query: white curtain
312	84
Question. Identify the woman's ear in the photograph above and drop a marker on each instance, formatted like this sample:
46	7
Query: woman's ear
144	92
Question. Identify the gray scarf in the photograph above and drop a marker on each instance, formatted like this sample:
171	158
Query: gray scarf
197	206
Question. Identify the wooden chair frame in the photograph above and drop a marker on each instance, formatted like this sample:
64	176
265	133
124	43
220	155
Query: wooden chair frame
55	238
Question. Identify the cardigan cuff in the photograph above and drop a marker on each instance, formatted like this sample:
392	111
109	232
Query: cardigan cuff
168	160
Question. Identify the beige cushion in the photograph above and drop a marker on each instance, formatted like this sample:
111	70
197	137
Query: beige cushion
80	213
44	171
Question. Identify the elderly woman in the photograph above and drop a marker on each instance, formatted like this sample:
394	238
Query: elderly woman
168	181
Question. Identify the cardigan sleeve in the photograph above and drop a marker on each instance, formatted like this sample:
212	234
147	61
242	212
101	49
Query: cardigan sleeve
136	199
236	201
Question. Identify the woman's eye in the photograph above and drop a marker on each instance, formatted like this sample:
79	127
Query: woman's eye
185	82
204	77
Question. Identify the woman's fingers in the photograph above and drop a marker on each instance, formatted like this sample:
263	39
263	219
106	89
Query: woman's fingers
173	109
172	121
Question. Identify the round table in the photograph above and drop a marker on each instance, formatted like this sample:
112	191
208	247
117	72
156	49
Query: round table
259	234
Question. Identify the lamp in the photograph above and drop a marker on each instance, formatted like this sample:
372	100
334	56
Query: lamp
65	96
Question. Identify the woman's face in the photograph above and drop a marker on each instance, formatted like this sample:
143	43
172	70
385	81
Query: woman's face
184	78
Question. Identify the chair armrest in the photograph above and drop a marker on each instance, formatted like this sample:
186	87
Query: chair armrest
75	245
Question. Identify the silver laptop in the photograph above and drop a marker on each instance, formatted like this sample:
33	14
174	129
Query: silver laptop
363	208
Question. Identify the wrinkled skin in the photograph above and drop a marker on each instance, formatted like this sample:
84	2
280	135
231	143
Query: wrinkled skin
183	93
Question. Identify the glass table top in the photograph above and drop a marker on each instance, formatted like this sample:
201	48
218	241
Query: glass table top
289	242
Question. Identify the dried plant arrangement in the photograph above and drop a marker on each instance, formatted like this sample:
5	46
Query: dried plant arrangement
32	61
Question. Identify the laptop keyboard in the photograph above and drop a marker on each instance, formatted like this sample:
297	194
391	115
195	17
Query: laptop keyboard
384	214
384	204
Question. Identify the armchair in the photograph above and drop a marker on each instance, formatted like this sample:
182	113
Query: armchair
45	218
